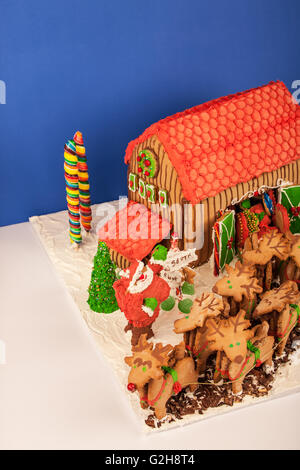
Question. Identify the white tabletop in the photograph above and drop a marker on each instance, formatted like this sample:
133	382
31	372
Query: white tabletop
57	392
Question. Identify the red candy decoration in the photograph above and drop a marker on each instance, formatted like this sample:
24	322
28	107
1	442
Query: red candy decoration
177	387
147	162
139	169
258	363
162	199
131	184
131	387
147	173
139	158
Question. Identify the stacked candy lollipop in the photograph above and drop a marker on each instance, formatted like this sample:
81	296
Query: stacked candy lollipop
71	177
83	182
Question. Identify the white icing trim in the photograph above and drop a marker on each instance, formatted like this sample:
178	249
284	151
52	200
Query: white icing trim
280	183
148	310
142	285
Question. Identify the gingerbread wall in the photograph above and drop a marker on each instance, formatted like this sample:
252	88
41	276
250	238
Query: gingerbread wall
165	179
223	199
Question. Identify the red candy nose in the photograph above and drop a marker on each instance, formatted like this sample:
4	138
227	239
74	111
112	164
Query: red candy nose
131	387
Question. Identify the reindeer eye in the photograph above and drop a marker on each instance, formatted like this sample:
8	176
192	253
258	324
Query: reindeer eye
144	369
238	344
231	345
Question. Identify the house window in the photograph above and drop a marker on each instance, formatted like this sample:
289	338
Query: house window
163	197
142	189
150	192
132	182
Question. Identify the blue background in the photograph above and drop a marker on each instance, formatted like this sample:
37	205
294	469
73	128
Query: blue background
111	68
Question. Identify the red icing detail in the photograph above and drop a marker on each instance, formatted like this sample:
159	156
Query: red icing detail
151	229
229	140
131	184
162	198
131	387
258	363
148	193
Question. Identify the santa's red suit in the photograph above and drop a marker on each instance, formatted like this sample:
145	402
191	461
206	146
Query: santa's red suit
142	283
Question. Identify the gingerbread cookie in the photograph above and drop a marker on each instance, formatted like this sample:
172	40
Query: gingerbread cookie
239	282
239	348
295	250
205	306
277	299
272	243
156	374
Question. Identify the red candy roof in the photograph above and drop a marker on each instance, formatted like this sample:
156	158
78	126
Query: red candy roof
134	231
229	140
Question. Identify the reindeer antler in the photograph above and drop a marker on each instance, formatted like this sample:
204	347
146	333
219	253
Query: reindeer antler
240	281
205	306
272	243
235	321
143	344
161	353
278	298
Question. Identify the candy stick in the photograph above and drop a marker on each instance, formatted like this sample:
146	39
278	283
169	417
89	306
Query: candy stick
83	182
71	178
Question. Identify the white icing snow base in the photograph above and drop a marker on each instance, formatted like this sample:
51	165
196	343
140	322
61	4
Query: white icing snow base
75	267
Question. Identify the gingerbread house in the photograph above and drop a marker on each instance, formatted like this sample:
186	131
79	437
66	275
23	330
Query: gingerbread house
189	166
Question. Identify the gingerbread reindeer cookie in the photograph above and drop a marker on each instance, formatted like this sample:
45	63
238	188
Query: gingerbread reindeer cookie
240	285
206	306
158	372
295	250
232	339
277	299
272	244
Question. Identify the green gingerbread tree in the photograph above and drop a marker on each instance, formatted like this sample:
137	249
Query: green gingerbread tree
102	297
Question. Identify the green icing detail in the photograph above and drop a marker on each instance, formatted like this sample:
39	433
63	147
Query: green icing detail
188	289
146	155
101	292
132	182
246	204
160	253
168	304
151	302
227	231
185	305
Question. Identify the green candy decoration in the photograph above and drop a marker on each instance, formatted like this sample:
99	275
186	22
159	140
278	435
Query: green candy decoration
168	304
102	297
160	253
151	302
185	305
188	289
